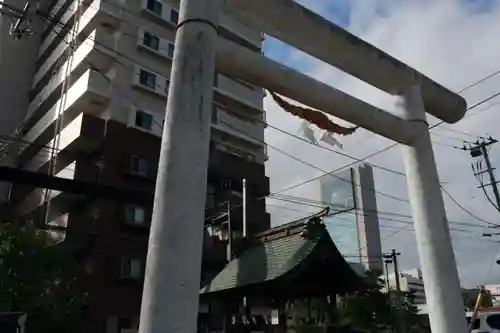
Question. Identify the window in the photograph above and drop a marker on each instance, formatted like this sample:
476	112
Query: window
139	166
215	112
131	268
135	215
147	79
216	79
174	16
155	6
493	321
170	50
151	41
143	120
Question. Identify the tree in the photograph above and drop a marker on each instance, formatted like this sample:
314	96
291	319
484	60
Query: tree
374	310
37	278
469	297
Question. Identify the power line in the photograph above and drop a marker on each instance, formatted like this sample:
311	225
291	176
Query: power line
481	149
319	204
460	132
449	137
485	78
277	149
318	168
465	209
398	229
371	155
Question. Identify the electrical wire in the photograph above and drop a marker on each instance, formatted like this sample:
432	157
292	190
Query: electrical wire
379	215
378	152
283	152
120	91
316	167
460	132
483	79
465	209
477	104
479	173
167	75
322	204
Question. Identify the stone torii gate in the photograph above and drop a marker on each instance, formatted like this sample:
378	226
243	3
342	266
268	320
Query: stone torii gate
172	280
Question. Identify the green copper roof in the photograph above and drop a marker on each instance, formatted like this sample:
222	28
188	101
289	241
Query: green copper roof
263	262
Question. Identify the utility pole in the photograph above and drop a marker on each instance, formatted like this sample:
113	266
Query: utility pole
229	229
478	150
392	257
244	204
172	279
387	283
244	227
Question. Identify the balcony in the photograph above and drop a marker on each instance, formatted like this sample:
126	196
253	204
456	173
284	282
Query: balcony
160	12
88	95
150	82
251	129
223	165
242	30
98	13
224	97
247	92
88	53
90	22
156	45
83	134
100	37
235	144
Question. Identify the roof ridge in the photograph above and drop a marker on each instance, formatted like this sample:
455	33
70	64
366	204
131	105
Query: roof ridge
291	225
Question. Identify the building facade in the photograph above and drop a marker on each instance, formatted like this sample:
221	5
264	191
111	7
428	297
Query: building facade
95	92
353	224
410	281
494	290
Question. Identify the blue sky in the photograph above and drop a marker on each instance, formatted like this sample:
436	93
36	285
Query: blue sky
455	42
337	11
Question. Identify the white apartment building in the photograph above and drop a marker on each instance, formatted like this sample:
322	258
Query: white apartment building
410	281
494	290
89	91
111	59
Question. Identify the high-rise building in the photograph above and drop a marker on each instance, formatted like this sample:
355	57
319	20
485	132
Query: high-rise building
88	103
353	222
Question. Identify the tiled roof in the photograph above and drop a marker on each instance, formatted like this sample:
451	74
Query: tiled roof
263	262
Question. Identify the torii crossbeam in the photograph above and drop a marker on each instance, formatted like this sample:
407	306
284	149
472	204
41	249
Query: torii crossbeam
170	296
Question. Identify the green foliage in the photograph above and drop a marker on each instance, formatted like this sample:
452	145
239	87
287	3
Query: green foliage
374	310
470	297
487	300
37	278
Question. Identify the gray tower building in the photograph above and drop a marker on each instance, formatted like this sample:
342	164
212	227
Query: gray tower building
354	225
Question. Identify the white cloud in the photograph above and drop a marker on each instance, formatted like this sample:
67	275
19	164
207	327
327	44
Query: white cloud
454	47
